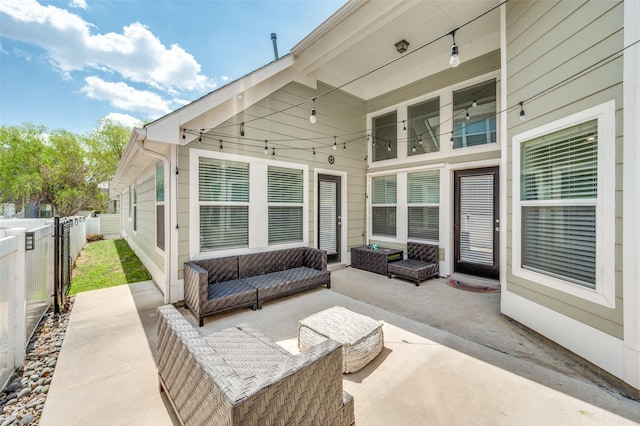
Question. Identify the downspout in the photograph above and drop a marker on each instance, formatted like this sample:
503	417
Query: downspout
140	139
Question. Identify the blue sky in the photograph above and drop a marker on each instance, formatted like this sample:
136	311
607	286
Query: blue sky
67	64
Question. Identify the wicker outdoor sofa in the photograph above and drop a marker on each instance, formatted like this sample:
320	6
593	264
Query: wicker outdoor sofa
239	377
217	285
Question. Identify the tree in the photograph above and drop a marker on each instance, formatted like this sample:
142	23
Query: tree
106	144
21	151
70	172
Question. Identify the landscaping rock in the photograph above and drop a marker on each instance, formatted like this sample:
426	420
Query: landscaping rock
23	400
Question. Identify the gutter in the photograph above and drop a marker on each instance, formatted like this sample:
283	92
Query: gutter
141	137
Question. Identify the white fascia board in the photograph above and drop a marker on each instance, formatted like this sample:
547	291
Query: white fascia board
117	183
168	128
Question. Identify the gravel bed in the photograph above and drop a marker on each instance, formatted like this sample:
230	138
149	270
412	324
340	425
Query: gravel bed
22	401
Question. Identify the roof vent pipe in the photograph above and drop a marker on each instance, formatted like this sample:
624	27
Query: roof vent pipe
274	37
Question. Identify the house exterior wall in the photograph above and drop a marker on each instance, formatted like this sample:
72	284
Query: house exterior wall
142	240
338	114
447	159
550	50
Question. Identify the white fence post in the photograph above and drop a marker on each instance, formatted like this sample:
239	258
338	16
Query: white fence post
8	251
20	316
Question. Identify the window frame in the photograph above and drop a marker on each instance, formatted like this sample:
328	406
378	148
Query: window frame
411	204
384	205
258	206
446	151
158	204
604	292
288	204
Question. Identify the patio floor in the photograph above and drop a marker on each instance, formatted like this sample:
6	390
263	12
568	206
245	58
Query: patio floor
449	358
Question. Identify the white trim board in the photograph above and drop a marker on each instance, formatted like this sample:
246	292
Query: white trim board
597	347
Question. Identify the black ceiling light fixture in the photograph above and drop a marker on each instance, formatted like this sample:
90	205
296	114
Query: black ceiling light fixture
402	46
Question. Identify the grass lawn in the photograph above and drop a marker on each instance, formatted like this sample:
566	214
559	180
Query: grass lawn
106	263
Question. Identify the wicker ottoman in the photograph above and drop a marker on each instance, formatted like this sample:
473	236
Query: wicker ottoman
361	336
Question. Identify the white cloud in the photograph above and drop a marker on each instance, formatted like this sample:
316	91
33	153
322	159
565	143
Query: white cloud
224	78
136	53
121	95
124	119
79	4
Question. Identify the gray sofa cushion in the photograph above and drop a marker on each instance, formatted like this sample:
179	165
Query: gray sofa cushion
222	269
282	282
269	261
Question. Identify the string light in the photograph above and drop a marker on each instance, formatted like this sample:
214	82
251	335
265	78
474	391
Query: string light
335	146
266	148
200	139
522	116
420	141
414	147
404	126
241	129
344	146
389	146
183	135
313	117
220	144
454	60
314	151
467	117
474	103
274	152
451	141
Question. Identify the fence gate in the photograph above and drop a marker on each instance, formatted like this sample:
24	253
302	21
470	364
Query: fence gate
63	263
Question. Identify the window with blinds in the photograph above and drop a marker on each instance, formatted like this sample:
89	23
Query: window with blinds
285	187
383	205
423	198
160	205
558	196
224	204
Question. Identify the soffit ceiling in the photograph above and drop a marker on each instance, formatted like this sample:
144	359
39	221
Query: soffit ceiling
365	40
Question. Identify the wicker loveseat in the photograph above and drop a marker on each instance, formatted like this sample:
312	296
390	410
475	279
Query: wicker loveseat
239	377
218	285
422	262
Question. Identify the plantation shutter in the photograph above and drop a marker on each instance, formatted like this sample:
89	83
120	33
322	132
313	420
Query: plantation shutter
328	214
423	197
285	197
383	200
224	204
476	219
559	192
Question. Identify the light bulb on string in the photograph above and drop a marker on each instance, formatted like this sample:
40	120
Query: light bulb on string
474	103
467	117
454	60
420	140
389	146
220	144
241	129
414	147
314	151
404	126
274	152
451	141
335	146
266	148
200	139
522	116
313	117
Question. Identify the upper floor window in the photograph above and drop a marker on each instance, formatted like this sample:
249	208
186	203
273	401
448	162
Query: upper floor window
385	137
423	131
474	115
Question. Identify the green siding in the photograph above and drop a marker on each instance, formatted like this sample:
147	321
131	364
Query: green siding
338	114
547	43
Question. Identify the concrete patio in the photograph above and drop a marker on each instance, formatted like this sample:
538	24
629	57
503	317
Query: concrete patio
449	358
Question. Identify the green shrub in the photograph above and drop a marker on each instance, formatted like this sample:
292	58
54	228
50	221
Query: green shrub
94	237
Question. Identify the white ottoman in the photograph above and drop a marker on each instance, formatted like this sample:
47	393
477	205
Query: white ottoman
361	336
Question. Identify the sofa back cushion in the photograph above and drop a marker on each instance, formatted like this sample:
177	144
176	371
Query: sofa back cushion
222	269
250	265
423	252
